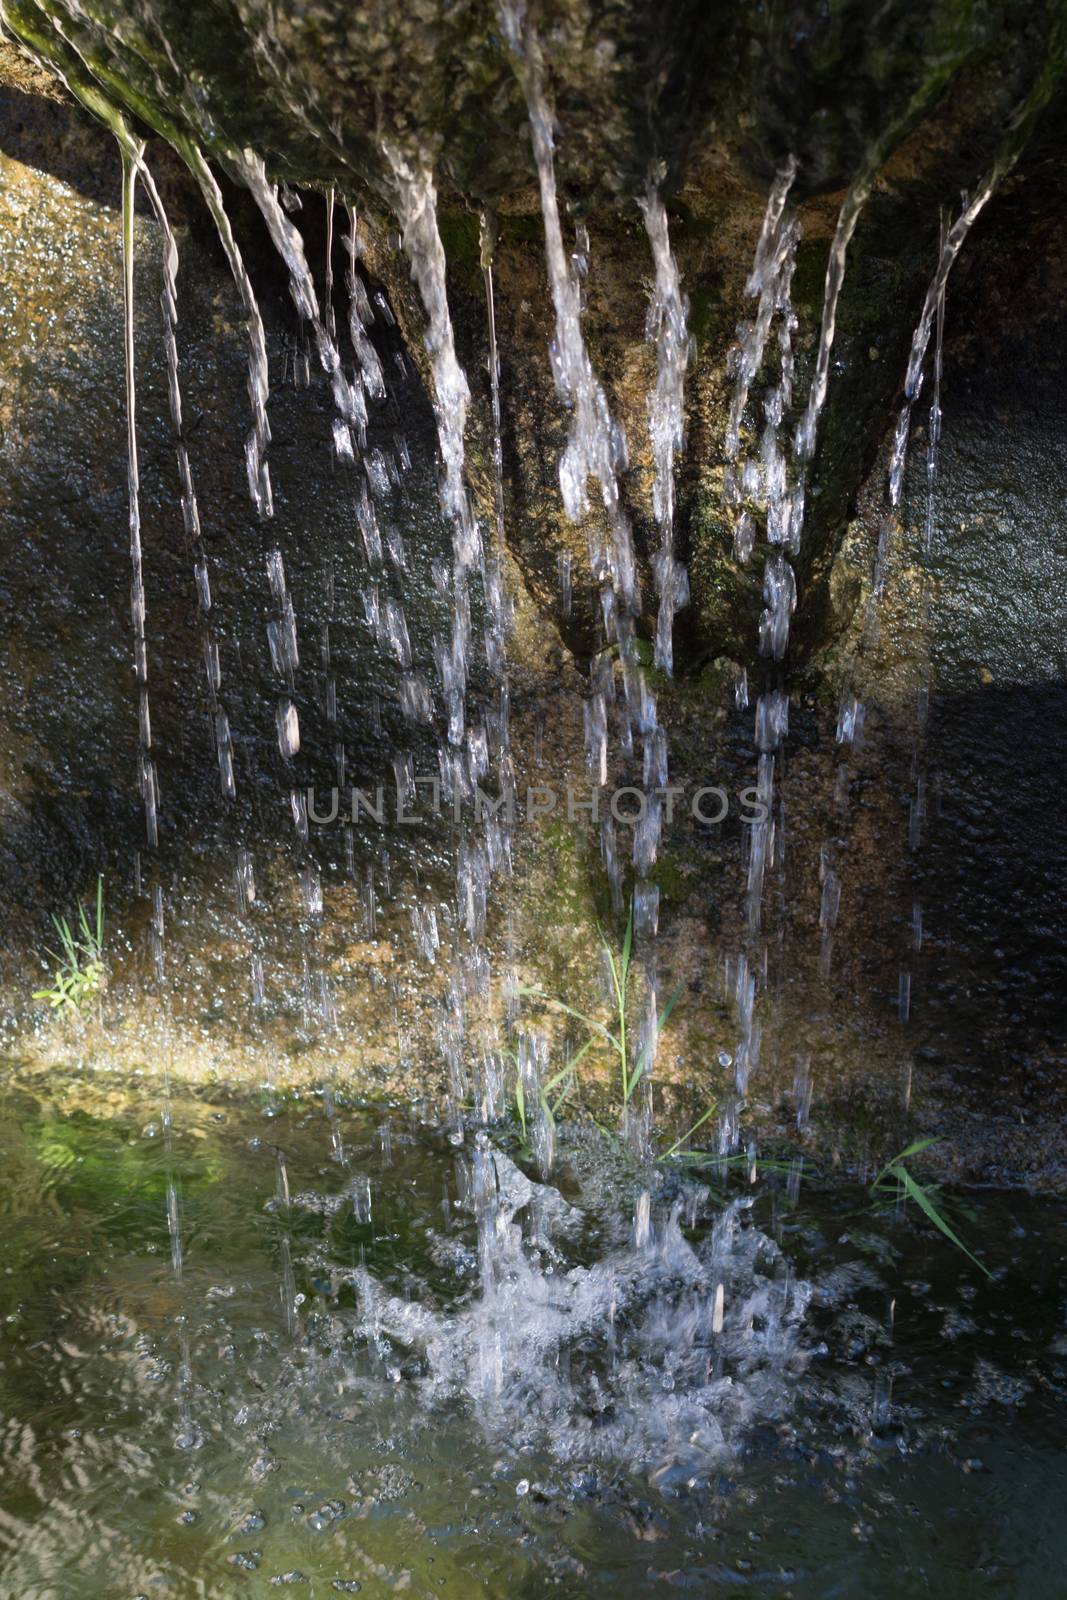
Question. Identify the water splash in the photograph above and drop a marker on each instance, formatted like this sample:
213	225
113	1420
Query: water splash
658	1356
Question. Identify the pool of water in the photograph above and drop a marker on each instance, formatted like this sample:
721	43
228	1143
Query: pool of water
396	1362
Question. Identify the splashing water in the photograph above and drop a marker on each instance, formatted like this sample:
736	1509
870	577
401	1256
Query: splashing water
658	1355
665	1348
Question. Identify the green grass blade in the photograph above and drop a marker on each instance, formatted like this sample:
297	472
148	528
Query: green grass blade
66	939
699	1123
566	1070
564	1094
665	1014
913	1149
520	1104
641	1064
579	1016
627	944
619	998
916	1192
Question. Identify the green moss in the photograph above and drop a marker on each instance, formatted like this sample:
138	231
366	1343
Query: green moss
459	230
706	311
809	278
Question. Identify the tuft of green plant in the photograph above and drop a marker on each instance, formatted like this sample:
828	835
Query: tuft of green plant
615	1037
80	972
895	1180
689	1132
553	1092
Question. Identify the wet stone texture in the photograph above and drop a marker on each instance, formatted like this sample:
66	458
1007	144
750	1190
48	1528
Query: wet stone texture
980	1056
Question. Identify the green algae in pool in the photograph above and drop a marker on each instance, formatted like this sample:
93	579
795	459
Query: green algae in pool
496	1387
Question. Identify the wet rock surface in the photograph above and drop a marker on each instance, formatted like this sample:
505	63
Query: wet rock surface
925	98
982	1052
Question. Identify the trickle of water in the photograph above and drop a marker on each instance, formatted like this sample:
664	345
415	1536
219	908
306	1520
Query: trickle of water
802	1090
932	311
829	907
848	217
132	163
595	446
774	250
487	234
190	511
348	398
780	599
417	209
667	328
904	996
850	721
360	317
259	486
596	450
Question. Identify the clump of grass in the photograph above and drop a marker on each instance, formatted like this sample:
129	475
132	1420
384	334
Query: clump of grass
552	1093
79	973
895	1180
614	1037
